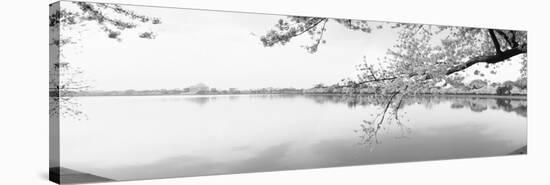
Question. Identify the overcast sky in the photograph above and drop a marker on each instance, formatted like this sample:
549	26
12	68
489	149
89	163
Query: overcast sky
223	50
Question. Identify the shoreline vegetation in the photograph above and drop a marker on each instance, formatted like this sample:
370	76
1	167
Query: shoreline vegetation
509	91
475	88
511	96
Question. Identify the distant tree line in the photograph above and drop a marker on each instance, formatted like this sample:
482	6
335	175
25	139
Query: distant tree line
518	87
480	87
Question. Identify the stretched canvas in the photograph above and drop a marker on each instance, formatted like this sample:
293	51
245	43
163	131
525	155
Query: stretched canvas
139	92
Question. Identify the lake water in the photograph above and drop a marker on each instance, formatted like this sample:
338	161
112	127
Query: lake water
142	137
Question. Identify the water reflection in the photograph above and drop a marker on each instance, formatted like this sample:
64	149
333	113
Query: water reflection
325	153
517	105
388	108
477	104
268	159
173	136
199	100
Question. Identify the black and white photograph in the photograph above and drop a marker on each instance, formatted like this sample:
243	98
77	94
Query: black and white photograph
145	92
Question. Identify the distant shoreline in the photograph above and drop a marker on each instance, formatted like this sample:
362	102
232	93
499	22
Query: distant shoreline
513	96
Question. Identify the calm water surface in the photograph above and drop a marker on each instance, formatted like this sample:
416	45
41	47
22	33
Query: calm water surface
142	137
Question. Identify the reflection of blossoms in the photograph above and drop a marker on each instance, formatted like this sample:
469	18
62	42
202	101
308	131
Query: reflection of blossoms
390	116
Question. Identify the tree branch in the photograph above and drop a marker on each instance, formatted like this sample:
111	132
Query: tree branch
368	81
506	38
313	48
490	59
514	41
495	40
309	28
390	100
322	32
